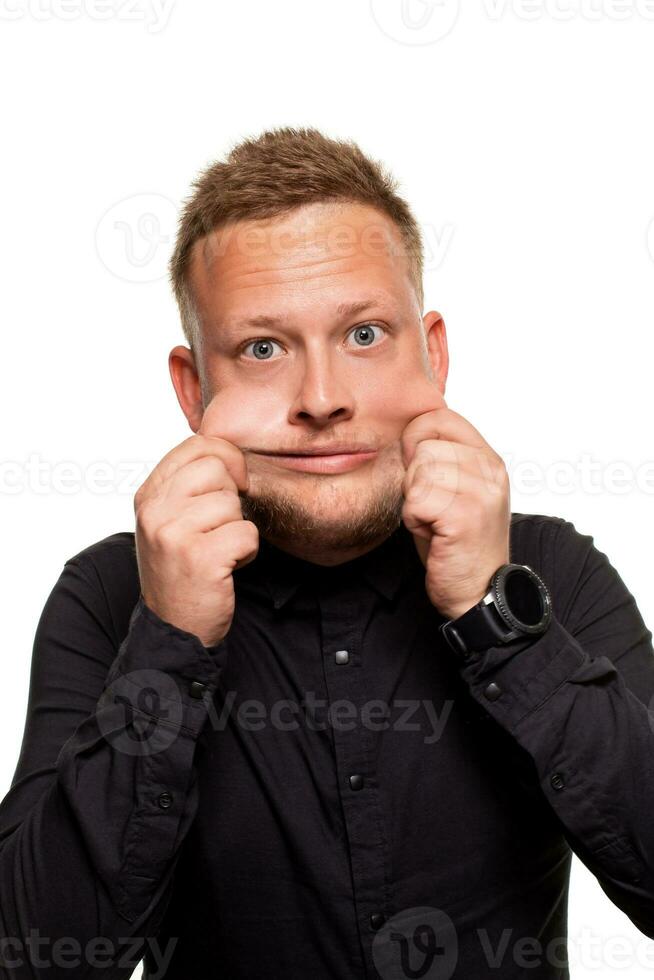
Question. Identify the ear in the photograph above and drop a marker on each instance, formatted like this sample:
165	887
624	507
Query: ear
436	340
186	382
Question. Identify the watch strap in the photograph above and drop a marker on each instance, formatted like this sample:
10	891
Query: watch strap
478	628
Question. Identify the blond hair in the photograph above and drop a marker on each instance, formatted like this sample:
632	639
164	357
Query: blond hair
271	174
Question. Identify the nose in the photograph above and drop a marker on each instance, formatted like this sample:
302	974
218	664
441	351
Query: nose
323	394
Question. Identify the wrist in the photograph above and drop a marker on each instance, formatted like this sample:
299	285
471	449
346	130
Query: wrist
453	612
517	604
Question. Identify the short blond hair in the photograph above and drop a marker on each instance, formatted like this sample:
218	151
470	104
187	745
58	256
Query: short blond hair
270	175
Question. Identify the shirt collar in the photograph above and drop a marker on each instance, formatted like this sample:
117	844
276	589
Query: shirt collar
385	568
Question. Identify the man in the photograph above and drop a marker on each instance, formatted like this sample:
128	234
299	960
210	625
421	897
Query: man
332	711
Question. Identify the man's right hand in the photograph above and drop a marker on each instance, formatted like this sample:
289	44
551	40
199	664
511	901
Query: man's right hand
190	535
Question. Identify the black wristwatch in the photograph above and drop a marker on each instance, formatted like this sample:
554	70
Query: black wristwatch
517	604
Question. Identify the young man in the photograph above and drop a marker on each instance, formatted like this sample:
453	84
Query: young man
333	710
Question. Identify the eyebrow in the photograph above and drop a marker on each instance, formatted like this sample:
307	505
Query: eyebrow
265	320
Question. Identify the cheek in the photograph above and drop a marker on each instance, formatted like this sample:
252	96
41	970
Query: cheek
244	420
405	398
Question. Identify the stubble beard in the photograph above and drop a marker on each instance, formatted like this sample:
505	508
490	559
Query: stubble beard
283	519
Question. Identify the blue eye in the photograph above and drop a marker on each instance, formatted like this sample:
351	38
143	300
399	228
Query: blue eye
264	346
364	334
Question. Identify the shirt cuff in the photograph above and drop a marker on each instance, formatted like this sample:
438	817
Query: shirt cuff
165	673
512	680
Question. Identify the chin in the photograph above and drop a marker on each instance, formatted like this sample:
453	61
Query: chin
327	517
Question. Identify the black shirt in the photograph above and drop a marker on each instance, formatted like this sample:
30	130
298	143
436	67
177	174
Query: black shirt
328	793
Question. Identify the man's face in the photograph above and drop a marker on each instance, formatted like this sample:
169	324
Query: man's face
312	339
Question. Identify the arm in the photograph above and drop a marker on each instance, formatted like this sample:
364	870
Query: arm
88	837
580	701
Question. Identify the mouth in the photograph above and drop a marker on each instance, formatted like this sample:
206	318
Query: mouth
321	460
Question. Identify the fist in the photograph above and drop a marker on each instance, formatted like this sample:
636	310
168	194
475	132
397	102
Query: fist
191	536
456	505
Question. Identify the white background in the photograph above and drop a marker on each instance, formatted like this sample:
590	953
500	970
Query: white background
522	136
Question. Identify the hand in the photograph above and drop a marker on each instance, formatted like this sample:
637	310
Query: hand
190	535
457	506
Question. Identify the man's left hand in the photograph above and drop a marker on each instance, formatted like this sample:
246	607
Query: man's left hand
456	505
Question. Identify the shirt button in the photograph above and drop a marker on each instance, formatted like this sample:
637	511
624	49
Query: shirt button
356	781
557	780
493	691
165	800
197	689
341	656
377	920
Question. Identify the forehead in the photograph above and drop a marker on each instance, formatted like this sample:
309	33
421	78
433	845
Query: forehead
312	250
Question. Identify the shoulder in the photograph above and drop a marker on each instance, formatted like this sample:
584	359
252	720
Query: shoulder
548	536
539	535
116	550
110	571
557	550
533	537
580	576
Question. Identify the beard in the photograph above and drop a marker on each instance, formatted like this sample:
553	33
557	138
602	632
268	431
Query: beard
281	518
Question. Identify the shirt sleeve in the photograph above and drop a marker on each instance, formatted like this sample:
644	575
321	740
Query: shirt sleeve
580	701
105	789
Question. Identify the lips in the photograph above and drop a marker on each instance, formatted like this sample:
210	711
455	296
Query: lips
322	462
337	449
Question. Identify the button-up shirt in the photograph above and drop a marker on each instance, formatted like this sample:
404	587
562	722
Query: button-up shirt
329	792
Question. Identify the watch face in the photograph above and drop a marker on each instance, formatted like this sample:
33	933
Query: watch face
522	598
